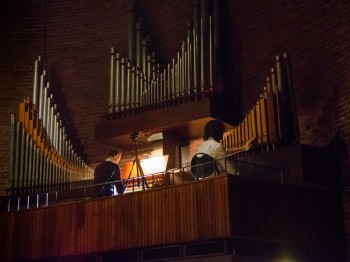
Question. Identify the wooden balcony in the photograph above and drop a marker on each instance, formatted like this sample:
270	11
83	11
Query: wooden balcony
222	207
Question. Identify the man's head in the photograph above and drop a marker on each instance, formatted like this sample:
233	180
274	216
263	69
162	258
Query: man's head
115	155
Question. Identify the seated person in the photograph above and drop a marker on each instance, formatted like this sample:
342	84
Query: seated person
108	171
213	133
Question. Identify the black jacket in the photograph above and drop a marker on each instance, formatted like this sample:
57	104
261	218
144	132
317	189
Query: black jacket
105	172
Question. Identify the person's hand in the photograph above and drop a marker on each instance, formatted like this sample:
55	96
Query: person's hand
249	143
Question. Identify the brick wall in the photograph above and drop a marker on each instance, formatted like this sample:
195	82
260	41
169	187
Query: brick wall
79	35
22	40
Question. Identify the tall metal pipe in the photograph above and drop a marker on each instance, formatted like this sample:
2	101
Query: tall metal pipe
36	83
196	15
141	88
117	88
17	160
211	55
184	68
202	58
22	163
131	30
195	62
217	46
37	168
173	88
128	86
48	116
42	84
278	74
133	87
144	56
176	79
149	67
137	87
273	79
178	76
44	116
122	83
268	84
13	150
189	57
26	164
30	166
52	115
138	44
112	82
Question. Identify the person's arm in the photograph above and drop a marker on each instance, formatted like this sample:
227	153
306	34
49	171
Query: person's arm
246	147
119	185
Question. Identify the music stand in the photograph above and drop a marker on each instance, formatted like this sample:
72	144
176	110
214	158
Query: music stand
137	164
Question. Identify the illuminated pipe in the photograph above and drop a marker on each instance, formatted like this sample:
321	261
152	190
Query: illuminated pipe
174	78
268	84
189	58
202	62
177	75
13	150
195	62
137	87
44	116
117	85
36	83
122	83
42	84
128	86
37	167
169	93
144	56
30	166
22	159
273	80
133	88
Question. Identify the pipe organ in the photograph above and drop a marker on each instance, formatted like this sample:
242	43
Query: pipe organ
138	82
273	118
42	155
138	85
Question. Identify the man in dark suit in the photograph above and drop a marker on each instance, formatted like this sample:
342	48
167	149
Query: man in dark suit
108	171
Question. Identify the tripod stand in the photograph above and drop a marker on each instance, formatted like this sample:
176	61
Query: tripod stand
136	163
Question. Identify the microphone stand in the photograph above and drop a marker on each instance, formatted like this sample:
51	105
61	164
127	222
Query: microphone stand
136	163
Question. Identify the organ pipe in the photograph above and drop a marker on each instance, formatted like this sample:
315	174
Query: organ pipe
39	151
270	119
112	83
190	72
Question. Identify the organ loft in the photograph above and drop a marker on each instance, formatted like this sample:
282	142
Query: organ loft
154	98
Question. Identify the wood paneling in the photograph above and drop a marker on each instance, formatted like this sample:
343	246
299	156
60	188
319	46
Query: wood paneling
213	208
195	211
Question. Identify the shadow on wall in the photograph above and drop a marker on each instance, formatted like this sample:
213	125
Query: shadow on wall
65	113
340	149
